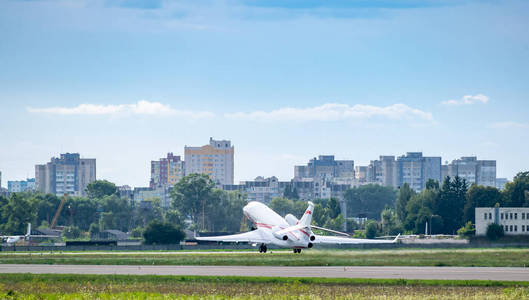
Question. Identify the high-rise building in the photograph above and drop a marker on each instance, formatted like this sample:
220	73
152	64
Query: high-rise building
383	171
415	169
166	171
325	166
480	172
21	185
260	189
215	160
67	174
361	174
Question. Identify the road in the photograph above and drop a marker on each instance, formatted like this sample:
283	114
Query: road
457	273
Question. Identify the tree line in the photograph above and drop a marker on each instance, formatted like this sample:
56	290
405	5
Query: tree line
194	197
446	207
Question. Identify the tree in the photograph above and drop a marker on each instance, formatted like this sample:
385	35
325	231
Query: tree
191	195
480	196
101	188
150	209
94	229
333	207
335	223
19	210
158	232
516	193
467	231
290	193
451	203
371	229
116	213
47	205
405	193
494	231
432	184
319	215
83	210
369	200
420	209
282	206
71	232
173	216
390	225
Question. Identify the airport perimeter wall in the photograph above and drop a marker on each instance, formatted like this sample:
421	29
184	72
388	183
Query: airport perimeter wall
242	246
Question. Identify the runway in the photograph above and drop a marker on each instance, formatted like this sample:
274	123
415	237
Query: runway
454	273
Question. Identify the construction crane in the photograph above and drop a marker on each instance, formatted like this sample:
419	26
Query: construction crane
58	212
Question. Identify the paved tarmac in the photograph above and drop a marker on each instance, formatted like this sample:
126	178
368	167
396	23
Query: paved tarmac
457	273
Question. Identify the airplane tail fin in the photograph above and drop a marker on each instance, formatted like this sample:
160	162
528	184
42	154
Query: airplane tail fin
307	217
29	230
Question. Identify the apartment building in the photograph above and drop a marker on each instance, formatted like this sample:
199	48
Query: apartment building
17	186
214	159
67	174
480	172
167	171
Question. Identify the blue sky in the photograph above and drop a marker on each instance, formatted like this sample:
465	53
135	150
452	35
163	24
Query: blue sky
127	81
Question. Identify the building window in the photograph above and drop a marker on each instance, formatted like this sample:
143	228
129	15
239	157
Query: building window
523	228
510	228
510	216
516	216
515	228
501	216
485	215
523	216
490	216
506	228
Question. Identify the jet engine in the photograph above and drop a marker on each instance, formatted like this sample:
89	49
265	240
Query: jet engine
291	220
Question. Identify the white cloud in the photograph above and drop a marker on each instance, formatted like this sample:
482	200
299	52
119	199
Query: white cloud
467	99
142	107
509	124
335	112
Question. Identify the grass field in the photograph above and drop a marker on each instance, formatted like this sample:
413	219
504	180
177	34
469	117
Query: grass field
514	257
54	286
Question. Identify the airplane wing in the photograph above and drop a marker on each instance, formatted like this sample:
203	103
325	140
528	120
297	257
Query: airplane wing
254	236
322	239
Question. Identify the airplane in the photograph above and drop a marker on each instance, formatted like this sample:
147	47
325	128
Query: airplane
287	232
13	239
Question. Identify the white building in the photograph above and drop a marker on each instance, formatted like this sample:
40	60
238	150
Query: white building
515	220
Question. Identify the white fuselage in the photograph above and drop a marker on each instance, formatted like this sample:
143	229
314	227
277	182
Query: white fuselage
13	239
268	222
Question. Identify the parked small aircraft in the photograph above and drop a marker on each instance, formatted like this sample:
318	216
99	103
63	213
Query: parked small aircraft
288	232
13	239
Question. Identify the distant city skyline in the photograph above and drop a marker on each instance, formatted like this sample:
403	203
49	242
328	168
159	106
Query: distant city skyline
127	82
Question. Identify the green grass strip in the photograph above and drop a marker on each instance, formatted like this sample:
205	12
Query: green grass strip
6	278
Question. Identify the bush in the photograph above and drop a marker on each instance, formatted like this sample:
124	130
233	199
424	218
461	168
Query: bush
158	232
467	231
136	232
494	232
71	232
371	229
93	230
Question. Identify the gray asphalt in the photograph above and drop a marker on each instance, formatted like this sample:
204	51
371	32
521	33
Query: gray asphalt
456	273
